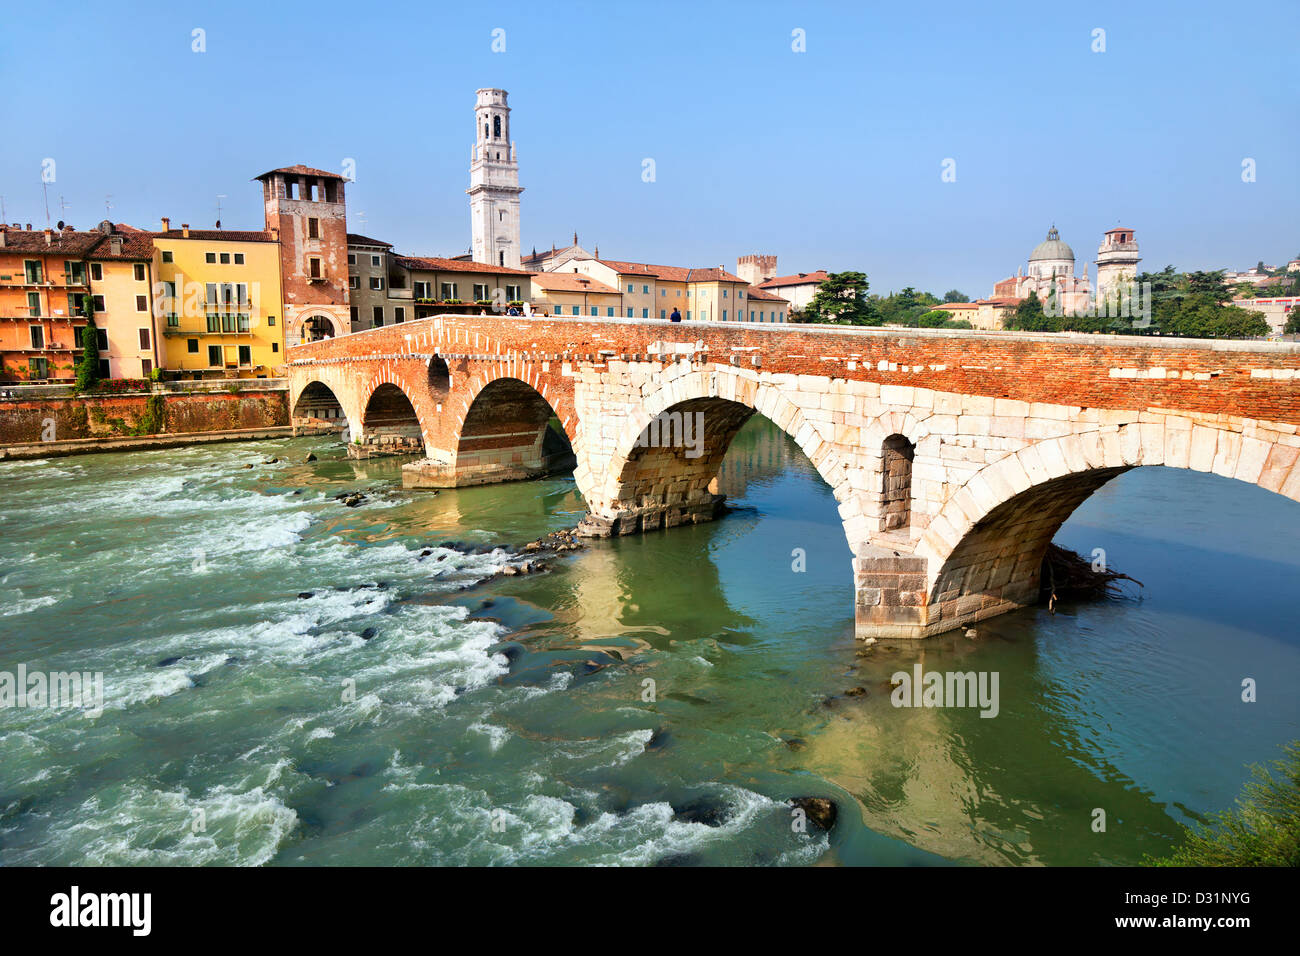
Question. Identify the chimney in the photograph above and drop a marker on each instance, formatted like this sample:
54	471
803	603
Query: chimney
49	236
3	233
115	243
167	224
275	233
185	230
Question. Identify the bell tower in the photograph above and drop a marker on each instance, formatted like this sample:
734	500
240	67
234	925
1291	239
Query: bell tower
494	184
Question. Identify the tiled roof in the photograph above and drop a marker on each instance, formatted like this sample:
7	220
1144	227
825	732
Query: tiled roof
944	306
300	171
136	244
801	278
1000	300
219	235
65	242
763	296
436	264
670	273
571	282
355	239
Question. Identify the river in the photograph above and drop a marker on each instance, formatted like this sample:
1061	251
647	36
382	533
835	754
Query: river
290	681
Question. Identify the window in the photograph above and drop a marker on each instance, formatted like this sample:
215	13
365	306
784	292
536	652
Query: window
448	291
99	303
34	304
662	293
645	290
501	257
146	366
245	355
32	270
210	257
74	273
270	320
896	483
663	313
313	267
103	368
379	315
167	256
609	311
353	312
225	258
38	368
101	340
481	293
239	258
192	346
423	290
374	260
645	313
37	334
352	258
595	311
97	271
631	287
77	332
741	293
275	346
513	294
142	303
629	313
376	283
144	339
354	282
313	228
399	313
214	356
496	127
724	315
724	293
688	315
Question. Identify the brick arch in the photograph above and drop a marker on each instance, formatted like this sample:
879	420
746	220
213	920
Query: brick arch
341	385
988	540
530	374
417	393
496	410
731	389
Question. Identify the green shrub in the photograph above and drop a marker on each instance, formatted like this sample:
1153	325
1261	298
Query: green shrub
1263	830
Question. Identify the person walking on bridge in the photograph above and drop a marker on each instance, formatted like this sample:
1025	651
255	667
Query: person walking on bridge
676	316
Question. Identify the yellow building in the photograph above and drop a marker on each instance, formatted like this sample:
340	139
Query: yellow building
218	301
569	293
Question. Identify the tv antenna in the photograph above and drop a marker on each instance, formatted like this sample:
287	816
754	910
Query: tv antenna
107	204
220	196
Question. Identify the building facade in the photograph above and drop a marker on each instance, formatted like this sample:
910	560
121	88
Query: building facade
797	289
219	302
1117	261
494	184
378	291
306	213
572	293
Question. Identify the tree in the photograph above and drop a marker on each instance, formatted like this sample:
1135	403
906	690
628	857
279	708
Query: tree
88	366
952	295
1292	326
841	299
1263	830
1029	317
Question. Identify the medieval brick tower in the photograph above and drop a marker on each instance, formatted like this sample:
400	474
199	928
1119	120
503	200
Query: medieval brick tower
494	184
756	268
305	210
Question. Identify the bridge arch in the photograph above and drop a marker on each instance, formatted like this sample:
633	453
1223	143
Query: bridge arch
392	413
504	433
984	549
322	396
667	454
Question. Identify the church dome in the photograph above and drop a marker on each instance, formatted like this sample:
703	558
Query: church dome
1051	248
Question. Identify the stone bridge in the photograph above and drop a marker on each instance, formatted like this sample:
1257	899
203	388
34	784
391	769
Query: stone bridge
954	456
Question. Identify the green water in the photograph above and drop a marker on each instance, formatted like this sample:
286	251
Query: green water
289	681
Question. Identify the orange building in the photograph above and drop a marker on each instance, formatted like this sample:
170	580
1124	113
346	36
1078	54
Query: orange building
43	279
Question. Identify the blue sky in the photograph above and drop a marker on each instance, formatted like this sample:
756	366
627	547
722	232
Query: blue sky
830	158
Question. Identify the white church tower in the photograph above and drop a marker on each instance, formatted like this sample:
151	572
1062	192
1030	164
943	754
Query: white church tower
494	184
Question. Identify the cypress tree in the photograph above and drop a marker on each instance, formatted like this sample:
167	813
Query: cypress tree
88	367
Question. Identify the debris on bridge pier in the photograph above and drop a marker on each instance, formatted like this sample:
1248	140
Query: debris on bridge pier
1067	574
